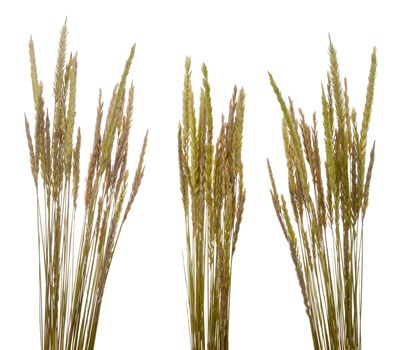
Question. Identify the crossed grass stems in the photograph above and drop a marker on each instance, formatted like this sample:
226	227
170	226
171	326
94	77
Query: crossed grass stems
213	196
72	282
325	236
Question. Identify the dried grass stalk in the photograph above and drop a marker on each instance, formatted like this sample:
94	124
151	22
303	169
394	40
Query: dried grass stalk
213	196
72	282
325	235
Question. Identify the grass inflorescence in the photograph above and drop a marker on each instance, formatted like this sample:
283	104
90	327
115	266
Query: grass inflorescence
73	278
213	196
325	234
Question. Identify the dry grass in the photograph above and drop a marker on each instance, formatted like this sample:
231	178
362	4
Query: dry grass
213	196
72	282
325	235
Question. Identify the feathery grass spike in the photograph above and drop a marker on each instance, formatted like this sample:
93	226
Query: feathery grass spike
213	196
326	236
72	282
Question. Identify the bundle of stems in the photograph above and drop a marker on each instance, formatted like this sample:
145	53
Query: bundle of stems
326	234
213	196
73	277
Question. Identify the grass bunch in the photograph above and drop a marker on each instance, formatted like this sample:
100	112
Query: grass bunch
325	235
73	276
213	196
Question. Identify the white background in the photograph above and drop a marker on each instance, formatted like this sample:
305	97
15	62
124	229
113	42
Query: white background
144	305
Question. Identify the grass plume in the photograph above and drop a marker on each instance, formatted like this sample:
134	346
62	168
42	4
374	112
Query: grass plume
325	234
72	281
213	196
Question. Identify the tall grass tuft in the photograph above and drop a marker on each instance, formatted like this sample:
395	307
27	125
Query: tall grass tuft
73	277
325	235
213	196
